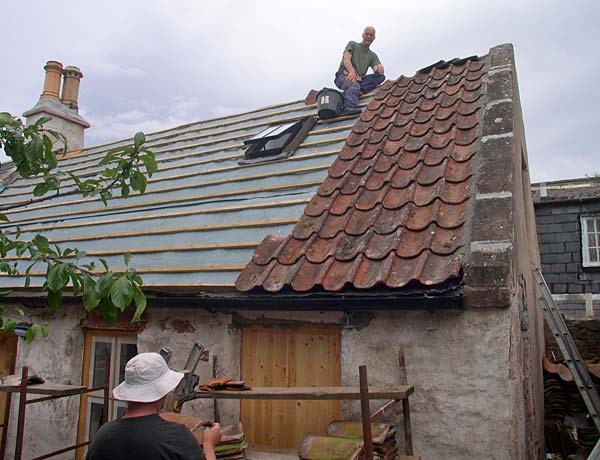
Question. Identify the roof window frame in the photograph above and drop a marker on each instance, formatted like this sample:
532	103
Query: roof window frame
277	141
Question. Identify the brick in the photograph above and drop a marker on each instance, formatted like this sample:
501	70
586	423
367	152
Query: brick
574	288
545	249
550	277
548	238
541	228
557	268
544	220
572	247
566	278
572	267
564	258
557	248
543	211
559	288
570	227
555	228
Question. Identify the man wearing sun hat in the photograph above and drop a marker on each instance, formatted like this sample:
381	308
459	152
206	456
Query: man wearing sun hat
141	433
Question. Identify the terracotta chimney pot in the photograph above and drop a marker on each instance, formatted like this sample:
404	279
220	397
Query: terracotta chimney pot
70	92
54	71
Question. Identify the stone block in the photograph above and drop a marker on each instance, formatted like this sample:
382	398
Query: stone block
496	166
498	119
493	220
558	288
544	220
542	210
570	227
555	228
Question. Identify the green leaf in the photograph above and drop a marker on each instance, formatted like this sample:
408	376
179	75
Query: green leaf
3	217
40	189
4	293
121	293
32	332
109	311
54	300
19	311
127	258
150	163
124	190
79	254
140	303
58	276
90	295
9	326
45	330
7	119
41	242
104	284
104	263
138	140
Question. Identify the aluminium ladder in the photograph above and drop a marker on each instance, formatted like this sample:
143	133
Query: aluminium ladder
565	342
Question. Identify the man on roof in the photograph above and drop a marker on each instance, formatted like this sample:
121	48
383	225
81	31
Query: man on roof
352	77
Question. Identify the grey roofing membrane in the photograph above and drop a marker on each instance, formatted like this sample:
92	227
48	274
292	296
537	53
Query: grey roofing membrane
202	215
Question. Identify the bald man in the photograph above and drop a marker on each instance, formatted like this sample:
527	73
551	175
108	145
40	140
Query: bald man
352	77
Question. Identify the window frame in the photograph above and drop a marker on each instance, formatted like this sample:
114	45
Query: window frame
93	337
585	247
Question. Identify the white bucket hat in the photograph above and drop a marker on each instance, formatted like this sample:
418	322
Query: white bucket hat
147	379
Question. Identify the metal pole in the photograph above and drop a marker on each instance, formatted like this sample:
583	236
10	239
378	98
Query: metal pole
21	419
365	412
216	417
405	405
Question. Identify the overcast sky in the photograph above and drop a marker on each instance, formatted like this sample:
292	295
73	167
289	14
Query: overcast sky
150	65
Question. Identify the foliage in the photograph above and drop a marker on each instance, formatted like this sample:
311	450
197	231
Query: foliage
123	171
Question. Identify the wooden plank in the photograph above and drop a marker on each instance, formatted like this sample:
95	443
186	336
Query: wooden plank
310	393
52	389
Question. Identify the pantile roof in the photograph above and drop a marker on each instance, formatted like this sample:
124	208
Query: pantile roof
393	209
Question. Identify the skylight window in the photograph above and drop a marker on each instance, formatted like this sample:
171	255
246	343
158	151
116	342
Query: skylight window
277	141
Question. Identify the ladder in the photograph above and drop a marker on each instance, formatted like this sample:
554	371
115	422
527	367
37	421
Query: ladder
565	342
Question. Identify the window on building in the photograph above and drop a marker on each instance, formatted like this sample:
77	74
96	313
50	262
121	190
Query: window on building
102	347
277	141
590	240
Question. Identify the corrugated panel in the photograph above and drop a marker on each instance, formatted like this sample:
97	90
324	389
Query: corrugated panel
202	215
392	210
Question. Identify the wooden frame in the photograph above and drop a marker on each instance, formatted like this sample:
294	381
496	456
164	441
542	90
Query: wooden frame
91	338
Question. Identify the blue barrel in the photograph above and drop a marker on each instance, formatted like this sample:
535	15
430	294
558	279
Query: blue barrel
329	103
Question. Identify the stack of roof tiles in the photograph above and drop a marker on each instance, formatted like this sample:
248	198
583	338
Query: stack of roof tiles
344	441
384	441
392	211
563	402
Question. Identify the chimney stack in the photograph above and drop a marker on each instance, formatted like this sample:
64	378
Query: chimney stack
54	72
63	112
70	91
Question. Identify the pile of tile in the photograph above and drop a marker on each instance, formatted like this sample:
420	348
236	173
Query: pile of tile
566	416
344	442
383	434
233	442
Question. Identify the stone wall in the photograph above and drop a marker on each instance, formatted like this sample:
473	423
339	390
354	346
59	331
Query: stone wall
468	383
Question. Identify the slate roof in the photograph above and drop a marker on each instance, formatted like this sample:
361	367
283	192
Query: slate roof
202	215
566	190
393	208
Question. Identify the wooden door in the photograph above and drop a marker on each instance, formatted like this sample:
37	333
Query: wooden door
288	357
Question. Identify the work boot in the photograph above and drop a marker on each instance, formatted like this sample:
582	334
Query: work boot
350	111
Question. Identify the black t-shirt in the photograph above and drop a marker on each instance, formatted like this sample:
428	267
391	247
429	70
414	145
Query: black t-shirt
148	438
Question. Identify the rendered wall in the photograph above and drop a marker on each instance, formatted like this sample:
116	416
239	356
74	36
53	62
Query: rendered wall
468	386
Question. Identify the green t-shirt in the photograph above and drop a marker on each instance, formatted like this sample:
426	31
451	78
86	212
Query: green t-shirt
362	58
